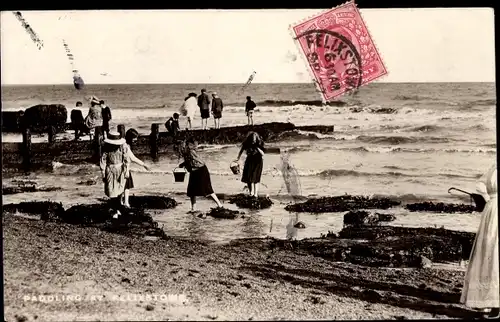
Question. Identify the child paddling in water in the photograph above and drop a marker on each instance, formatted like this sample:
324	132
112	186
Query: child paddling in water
130	137
252	171
199	177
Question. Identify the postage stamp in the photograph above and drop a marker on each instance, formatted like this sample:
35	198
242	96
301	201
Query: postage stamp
340	53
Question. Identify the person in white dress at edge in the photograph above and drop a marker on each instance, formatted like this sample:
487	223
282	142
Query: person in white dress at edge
481	286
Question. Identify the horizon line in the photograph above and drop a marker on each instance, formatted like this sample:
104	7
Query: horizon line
256	83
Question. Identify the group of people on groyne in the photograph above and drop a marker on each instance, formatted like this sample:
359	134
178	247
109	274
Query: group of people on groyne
202	102
100	114
117	157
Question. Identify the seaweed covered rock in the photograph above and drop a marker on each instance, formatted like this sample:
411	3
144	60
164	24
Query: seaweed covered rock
250	202
447	245
131	221
364	218
409	247
21	186
40	117
440	207
224	213
152	202
46	209
341	203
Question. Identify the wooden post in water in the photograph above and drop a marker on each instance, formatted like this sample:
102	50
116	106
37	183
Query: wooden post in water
98	140
52	134
26	148
121	130
153	140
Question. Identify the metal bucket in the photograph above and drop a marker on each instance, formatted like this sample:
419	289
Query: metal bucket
235	167
179	175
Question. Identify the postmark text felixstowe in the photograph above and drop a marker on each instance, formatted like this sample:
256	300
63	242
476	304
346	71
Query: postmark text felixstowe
340	53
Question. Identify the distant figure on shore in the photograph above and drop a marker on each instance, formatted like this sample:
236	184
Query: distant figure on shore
254	162
130	137
204	104
217	106
115	163
481	288
106	116
78	122
249	107
189	108
199	177
172	125
94	118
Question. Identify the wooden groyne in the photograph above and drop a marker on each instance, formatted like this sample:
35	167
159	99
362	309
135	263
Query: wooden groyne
27	154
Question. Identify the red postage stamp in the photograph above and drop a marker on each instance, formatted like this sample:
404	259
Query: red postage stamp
339	51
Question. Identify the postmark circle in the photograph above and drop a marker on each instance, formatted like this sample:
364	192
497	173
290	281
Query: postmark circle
334	59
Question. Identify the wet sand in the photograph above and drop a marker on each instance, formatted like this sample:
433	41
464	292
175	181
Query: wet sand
247	279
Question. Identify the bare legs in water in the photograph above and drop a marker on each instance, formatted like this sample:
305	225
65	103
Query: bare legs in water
253	188
213	196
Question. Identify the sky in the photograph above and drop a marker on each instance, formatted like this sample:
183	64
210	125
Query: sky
208	46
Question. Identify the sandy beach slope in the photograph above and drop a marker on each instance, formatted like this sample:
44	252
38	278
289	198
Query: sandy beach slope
245	280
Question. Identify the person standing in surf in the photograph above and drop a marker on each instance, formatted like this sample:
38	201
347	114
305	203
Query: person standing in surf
217	107
130	137
114	165
200	184
204	104
481	286
249	107
254	162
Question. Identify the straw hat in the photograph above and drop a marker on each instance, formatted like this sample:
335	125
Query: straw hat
114	138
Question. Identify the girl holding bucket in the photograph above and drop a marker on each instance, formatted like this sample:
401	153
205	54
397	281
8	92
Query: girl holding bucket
199	177
130	137
252	171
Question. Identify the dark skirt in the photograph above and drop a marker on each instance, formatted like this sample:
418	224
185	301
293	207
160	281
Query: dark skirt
205	114
129	182
199	183
217	114
252	171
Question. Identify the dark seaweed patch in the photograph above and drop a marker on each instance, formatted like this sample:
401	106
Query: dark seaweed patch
249	202
152	202
47	209
341	203
224	213
131	222
440	207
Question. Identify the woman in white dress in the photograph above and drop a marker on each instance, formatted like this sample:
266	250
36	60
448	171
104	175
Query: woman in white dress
189	108
481	287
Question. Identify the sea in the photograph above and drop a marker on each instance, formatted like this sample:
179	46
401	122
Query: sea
407	141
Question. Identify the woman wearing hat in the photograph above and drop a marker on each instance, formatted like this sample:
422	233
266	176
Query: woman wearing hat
94	118
189	107
115	163
130	137
199	177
